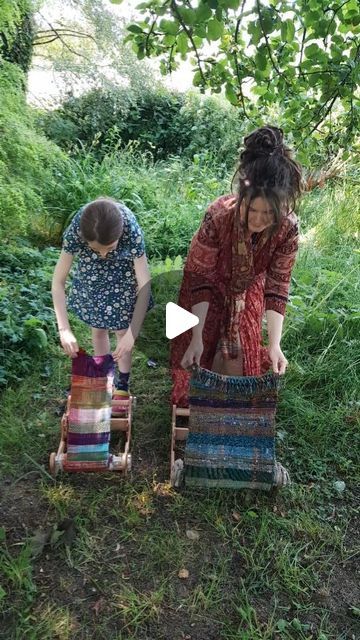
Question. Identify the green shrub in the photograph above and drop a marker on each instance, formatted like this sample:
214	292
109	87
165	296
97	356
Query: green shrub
168	198
29	163
16	42
160	121
26	314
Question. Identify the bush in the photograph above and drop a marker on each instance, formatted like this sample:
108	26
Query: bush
28	161
26	314
162	122
16	45
169	198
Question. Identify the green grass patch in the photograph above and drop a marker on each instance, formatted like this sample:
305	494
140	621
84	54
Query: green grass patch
106	557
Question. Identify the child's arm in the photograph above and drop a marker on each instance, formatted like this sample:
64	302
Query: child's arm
143	278
67	338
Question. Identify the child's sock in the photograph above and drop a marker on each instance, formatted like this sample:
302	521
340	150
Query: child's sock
122	382
120	404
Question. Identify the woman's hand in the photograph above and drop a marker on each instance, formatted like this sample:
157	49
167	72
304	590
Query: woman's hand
69	342
193	353
124	346
278	360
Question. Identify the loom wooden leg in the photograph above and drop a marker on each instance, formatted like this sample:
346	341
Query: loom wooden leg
52	465
177	433
128	438
274	492
64	426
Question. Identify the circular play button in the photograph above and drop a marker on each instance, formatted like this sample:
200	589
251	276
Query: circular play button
164	320
178	320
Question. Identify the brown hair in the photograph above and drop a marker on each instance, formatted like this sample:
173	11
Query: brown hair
101	221
266	169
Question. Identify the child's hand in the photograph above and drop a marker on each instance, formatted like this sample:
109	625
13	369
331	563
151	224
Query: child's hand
124	346
69	342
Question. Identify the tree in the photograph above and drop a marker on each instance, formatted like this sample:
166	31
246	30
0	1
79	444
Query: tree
83	43
17	32
301	59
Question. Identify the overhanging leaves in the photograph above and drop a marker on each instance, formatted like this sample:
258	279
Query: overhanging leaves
303	58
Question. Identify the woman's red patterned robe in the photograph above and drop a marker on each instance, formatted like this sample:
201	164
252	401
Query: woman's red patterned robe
207	277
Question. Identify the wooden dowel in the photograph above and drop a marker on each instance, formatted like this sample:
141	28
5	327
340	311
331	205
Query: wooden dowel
119	424
183	412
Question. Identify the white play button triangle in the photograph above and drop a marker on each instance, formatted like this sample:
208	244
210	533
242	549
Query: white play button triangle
178	320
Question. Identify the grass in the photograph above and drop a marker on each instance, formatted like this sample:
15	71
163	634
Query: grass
153	191
109	551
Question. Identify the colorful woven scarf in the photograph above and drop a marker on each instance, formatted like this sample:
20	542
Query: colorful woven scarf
90	412
231	441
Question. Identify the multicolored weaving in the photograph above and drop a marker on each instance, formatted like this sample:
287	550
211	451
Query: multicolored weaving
231	441
90	412
120	403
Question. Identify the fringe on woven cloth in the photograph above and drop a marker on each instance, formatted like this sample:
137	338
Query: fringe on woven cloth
229	384
281	475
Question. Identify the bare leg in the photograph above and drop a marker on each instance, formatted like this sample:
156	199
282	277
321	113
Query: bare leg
101	341
124	363
121	392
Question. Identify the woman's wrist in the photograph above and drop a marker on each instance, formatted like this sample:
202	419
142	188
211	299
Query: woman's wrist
274	344
197	334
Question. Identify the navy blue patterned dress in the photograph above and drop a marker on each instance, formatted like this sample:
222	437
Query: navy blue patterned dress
104	290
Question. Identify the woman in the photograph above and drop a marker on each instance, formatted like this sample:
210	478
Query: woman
239	265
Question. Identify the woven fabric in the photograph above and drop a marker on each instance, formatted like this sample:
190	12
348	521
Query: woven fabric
231	441
90	413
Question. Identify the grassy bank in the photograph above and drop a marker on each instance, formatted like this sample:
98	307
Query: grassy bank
100	557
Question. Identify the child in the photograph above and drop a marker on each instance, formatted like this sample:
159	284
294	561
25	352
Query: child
111	271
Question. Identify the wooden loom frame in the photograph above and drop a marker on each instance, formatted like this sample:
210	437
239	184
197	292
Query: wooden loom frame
178	434
116	424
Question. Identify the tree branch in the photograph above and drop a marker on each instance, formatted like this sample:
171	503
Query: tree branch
301	73
65	44
333	16
65	31
40	40
331	99
237	66
269	48
239	21
148	37
189	35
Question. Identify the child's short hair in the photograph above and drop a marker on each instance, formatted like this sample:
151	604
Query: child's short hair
101	221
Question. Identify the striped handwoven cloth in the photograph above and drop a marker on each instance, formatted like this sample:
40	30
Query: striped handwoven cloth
231	441
90	413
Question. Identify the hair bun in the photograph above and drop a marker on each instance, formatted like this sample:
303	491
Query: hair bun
264	140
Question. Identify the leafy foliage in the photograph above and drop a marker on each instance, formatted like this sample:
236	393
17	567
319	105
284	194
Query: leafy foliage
304	57
11	14
26	314
18	47
28	161
160	121
82	43
168	198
